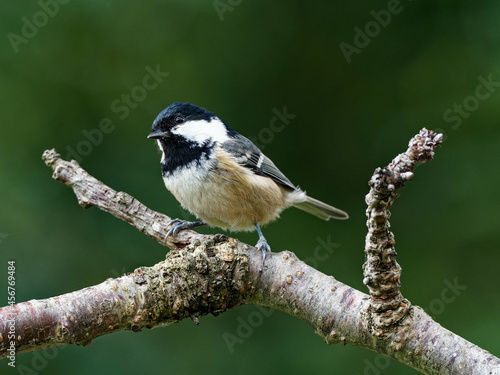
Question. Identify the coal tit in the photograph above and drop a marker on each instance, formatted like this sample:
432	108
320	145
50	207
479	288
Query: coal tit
221	177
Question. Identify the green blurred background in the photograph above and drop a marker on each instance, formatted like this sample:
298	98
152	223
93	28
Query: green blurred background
244	60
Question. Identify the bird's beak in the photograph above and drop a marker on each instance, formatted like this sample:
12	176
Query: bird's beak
157	134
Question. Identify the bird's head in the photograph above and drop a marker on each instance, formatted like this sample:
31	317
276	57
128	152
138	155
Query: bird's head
189	123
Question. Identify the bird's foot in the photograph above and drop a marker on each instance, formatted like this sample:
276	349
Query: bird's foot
178	225
263	246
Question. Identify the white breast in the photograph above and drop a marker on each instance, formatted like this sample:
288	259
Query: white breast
188	183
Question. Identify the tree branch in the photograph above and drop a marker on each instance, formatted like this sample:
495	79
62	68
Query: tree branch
208	274
382	272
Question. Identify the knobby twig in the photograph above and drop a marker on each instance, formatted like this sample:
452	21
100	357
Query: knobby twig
381	270
206	274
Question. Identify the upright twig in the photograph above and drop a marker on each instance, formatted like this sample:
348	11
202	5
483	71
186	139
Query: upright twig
381	270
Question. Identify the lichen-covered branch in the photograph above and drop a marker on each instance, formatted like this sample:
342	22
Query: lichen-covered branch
381	270
206	274
206	278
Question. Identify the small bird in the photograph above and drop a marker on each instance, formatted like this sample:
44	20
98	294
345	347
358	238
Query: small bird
221	177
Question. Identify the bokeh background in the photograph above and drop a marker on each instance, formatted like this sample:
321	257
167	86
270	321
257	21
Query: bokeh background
361	81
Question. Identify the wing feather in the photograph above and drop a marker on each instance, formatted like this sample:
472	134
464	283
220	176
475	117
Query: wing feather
248	155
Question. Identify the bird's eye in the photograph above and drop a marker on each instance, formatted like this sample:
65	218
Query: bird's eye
179	119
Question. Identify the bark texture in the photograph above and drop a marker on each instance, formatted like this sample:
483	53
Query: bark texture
381	270
208	274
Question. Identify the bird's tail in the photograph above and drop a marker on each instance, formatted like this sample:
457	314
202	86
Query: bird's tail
320	209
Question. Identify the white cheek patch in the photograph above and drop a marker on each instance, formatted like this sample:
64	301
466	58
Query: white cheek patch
201	131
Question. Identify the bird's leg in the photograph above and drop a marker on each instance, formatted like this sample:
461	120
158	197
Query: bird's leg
177	225
262	244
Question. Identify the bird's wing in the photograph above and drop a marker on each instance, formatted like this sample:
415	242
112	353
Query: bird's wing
248	155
